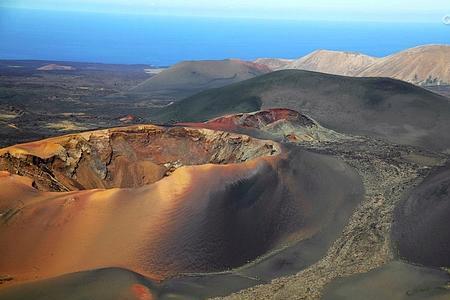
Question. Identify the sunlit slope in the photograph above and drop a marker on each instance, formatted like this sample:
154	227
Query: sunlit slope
209	216
423	65
333	62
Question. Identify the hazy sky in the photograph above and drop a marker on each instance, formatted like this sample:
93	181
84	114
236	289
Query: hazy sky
370	10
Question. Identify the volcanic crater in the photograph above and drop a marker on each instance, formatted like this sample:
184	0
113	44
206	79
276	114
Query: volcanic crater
125	157
164	201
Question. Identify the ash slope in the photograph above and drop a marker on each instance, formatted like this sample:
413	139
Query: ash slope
190	77
395	281
201	218
378	107
420	231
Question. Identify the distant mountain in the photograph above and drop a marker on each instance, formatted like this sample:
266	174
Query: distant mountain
333	62
53	67
380	107
425	65
190	77
274	63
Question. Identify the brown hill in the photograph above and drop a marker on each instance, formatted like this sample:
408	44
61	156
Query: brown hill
426	65
274	63
190	77
333	62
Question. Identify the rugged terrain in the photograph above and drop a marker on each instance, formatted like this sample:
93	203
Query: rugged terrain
342	193
39	99
276	124
123	157
35	104
313	205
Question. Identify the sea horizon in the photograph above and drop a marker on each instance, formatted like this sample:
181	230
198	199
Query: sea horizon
165	40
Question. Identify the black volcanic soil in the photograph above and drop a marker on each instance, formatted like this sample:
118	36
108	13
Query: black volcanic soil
395	281
443	90
421	222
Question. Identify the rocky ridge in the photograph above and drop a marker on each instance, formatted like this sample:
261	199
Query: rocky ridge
125	157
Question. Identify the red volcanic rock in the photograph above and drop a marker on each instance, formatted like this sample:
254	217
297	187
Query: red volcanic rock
127	119
278	123
254	65
141	292
256	120
55	67
291	137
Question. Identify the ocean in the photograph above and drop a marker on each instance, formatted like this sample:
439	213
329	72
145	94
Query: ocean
165	40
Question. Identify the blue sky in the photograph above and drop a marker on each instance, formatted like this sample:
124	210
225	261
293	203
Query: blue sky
333	10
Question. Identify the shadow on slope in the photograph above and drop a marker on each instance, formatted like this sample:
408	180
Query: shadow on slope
421	222
123	284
